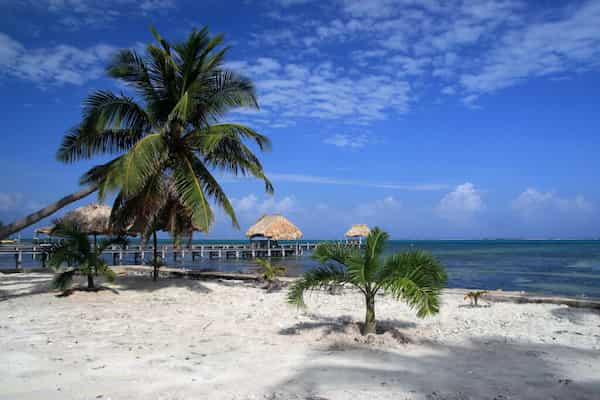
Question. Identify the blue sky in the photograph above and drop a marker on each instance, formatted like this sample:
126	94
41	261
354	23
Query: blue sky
432	119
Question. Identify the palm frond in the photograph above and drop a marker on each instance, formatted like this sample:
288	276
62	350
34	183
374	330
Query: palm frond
416	277
319	277
219	93
222	147
79	144
139	164
63	280
106	110
131	68
215	191
191	191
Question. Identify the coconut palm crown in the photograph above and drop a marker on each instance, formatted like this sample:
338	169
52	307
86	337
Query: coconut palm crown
169	127
413	276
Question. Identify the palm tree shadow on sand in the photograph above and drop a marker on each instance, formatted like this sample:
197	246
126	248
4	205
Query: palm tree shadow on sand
485	368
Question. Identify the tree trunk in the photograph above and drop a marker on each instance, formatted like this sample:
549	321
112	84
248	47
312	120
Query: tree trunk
155	263
370	324
7	230
90	281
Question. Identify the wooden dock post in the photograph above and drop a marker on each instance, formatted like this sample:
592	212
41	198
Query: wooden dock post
19	259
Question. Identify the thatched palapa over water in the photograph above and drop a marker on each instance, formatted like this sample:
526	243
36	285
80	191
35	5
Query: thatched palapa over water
358	230
275	227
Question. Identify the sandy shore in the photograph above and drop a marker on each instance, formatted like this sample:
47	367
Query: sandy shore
185	339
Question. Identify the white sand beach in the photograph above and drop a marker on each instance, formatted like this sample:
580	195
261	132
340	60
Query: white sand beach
186	339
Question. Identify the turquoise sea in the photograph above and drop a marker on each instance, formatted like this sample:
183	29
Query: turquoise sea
567	267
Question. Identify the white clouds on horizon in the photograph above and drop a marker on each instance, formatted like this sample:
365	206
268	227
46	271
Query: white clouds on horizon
532	201
461	203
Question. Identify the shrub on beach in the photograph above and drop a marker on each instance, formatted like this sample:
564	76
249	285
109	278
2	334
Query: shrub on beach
413	276
270	273
81	256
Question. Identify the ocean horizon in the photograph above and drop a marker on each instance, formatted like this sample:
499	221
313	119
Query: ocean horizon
549	266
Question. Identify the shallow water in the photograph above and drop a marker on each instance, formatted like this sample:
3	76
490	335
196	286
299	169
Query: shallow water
551	266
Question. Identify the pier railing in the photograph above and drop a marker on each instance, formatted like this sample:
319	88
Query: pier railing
142	254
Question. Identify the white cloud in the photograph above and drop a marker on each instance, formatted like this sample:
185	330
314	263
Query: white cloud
472	46
322	180
351	141
10	201
78	14
565	44
463	202
61	64
532	201
252	205
323	91
386	205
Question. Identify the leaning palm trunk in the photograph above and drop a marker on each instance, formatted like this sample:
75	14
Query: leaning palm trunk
7	230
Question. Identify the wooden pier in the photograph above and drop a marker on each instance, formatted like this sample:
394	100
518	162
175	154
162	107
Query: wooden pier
143	254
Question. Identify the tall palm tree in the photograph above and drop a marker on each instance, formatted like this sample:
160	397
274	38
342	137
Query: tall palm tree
413	276
75	248
168	127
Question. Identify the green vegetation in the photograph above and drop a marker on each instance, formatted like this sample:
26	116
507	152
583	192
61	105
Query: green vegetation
81	256
270	273
166	134
413	276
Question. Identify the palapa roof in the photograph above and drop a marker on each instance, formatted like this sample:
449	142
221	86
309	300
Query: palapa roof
276	227
358	230
93	218
44	230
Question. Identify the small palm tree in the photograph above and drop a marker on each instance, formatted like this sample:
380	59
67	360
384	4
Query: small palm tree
413	276
270	272
75	249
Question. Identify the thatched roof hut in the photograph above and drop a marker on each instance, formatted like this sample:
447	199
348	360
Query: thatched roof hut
358	230
275	227
93	218
44	230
